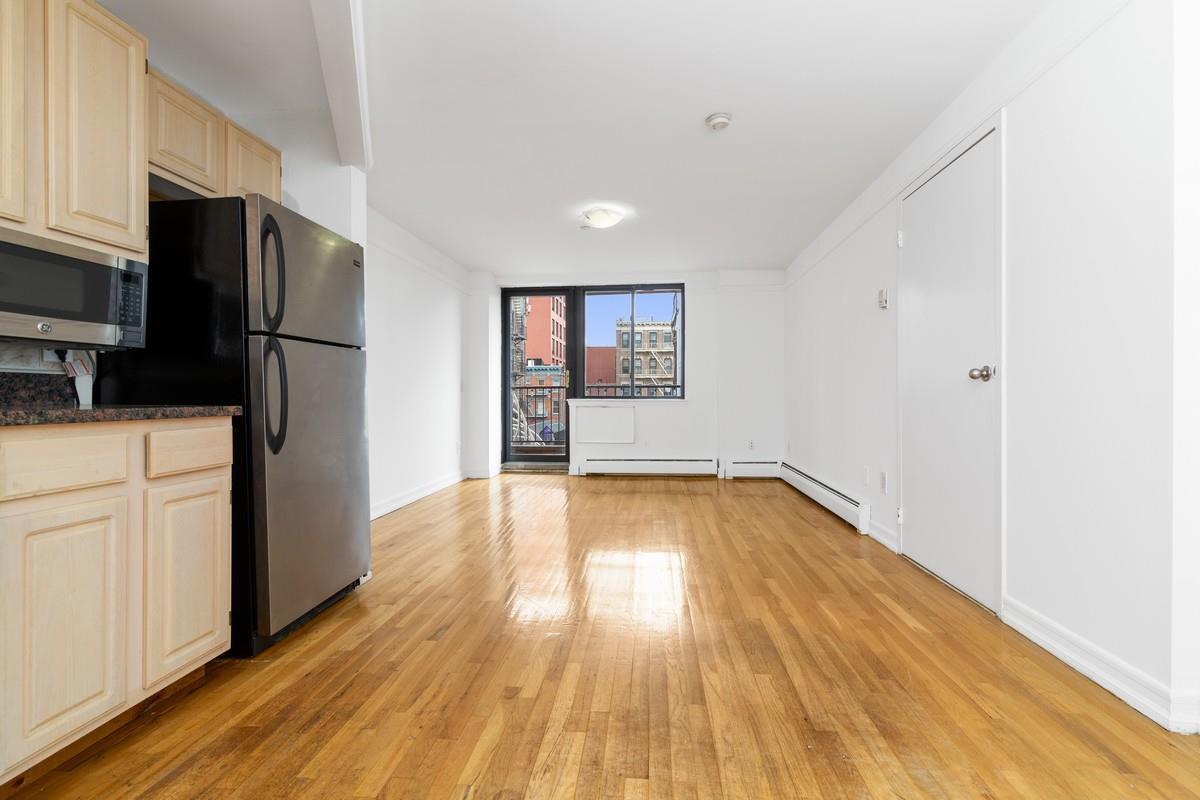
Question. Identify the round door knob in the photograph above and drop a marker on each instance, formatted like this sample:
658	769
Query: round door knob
44	327
983	373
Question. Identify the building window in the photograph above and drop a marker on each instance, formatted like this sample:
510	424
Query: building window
615	323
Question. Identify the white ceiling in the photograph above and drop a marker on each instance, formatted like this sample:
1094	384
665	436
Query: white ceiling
494	123
248	57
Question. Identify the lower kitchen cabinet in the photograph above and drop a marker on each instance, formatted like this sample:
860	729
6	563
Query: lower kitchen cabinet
64	595
108	593
187	576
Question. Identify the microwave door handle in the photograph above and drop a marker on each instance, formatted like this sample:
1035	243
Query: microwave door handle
270	230
276	438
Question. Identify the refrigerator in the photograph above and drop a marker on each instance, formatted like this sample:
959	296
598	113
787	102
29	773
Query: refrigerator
254	305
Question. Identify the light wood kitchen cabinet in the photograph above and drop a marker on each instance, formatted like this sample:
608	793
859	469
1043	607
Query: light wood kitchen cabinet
186	137
114	582
65	618
187	576
252	165
96	125
12	109
72	127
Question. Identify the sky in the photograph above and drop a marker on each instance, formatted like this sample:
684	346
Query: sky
603	311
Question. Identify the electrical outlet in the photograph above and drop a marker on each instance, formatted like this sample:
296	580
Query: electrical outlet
883	482
749	444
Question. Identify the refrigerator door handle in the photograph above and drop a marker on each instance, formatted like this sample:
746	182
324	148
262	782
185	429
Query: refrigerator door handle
270	230
275	438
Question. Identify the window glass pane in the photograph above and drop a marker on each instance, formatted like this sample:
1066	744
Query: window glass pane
606	340
660	311
633	346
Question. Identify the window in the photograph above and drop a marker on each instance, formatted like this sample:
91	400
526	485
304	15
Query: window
618	322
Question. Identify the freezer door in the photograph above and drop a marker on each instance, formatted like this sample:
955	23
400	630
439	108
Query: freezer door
301	279
308	443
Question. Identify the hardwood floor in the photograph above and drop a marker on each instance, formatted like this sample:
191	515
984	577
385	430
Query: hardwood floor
545	636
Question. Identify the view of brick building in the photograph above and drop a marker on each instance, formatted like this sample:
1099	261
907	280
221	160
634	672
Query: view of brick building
601	363
546	329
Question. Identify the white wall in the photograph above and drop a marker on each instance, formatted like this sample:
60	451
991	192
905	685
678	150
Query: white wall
415	304
1089	338
1091	517
733	357
841	371
481	381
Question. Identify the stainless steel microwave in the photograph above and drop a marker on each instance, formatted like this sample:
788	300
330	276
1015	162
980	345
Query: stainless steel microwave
68	296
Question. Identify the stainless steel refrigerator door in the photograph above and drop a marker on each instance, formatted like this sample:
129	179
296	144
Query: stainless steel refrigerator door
308	429
301	279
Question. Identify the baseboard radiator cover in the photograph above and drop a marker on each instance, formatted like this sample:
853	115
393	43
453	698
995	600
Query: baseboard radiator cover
853	511
751	469
648	466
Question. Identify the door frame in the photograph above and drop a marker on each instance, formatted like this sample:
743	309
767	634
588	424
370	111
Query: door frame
506	296
995	126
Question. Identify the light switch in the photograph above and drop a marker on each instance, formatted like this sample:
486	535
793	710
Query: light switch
883	298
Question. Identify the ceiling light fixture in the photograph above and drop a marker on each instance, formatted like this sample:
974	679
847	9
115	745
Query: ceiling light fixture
600	217
718	121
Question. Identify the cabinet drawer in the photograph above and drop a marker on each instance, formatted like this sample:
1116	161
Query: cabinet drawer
187	449
41	466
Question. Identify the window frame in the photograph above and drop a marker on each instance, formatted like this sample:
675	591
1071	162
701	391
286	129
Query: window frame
679	346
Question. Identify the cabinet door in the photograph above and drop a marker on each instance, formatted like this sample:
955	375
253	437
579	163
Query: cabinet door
187	576
185	137
253	166
96	125
12	109
62	622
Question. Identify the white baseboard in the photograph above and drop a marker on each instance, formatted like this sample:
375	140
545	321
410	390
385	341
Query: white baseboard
1148	695
885	536
404	498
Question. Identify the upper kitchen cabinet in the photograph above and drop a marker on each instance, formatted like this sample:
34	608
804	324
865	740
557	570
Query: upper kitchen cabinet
186	138
72	126
96	125
12	109
253	166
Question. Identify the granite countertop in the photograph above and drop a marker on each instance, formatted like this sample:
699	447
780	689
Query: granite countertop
59	413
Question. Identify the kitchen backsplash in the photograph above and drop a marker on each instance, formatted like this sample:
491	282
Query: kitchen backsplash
26	378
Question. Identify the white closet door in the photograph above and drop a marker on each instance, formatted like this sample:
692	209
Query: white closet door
949	342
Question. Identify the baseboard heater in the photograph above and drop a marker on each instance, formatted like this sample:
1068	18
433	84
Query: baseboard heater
751	469
856	513
649	466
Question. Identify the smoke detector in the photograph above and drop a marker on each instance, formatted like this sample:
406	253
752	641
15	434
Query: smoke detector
718	121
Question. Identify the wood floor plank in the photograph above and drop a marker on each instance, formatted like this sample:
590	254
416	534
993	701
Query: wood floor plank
543	636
